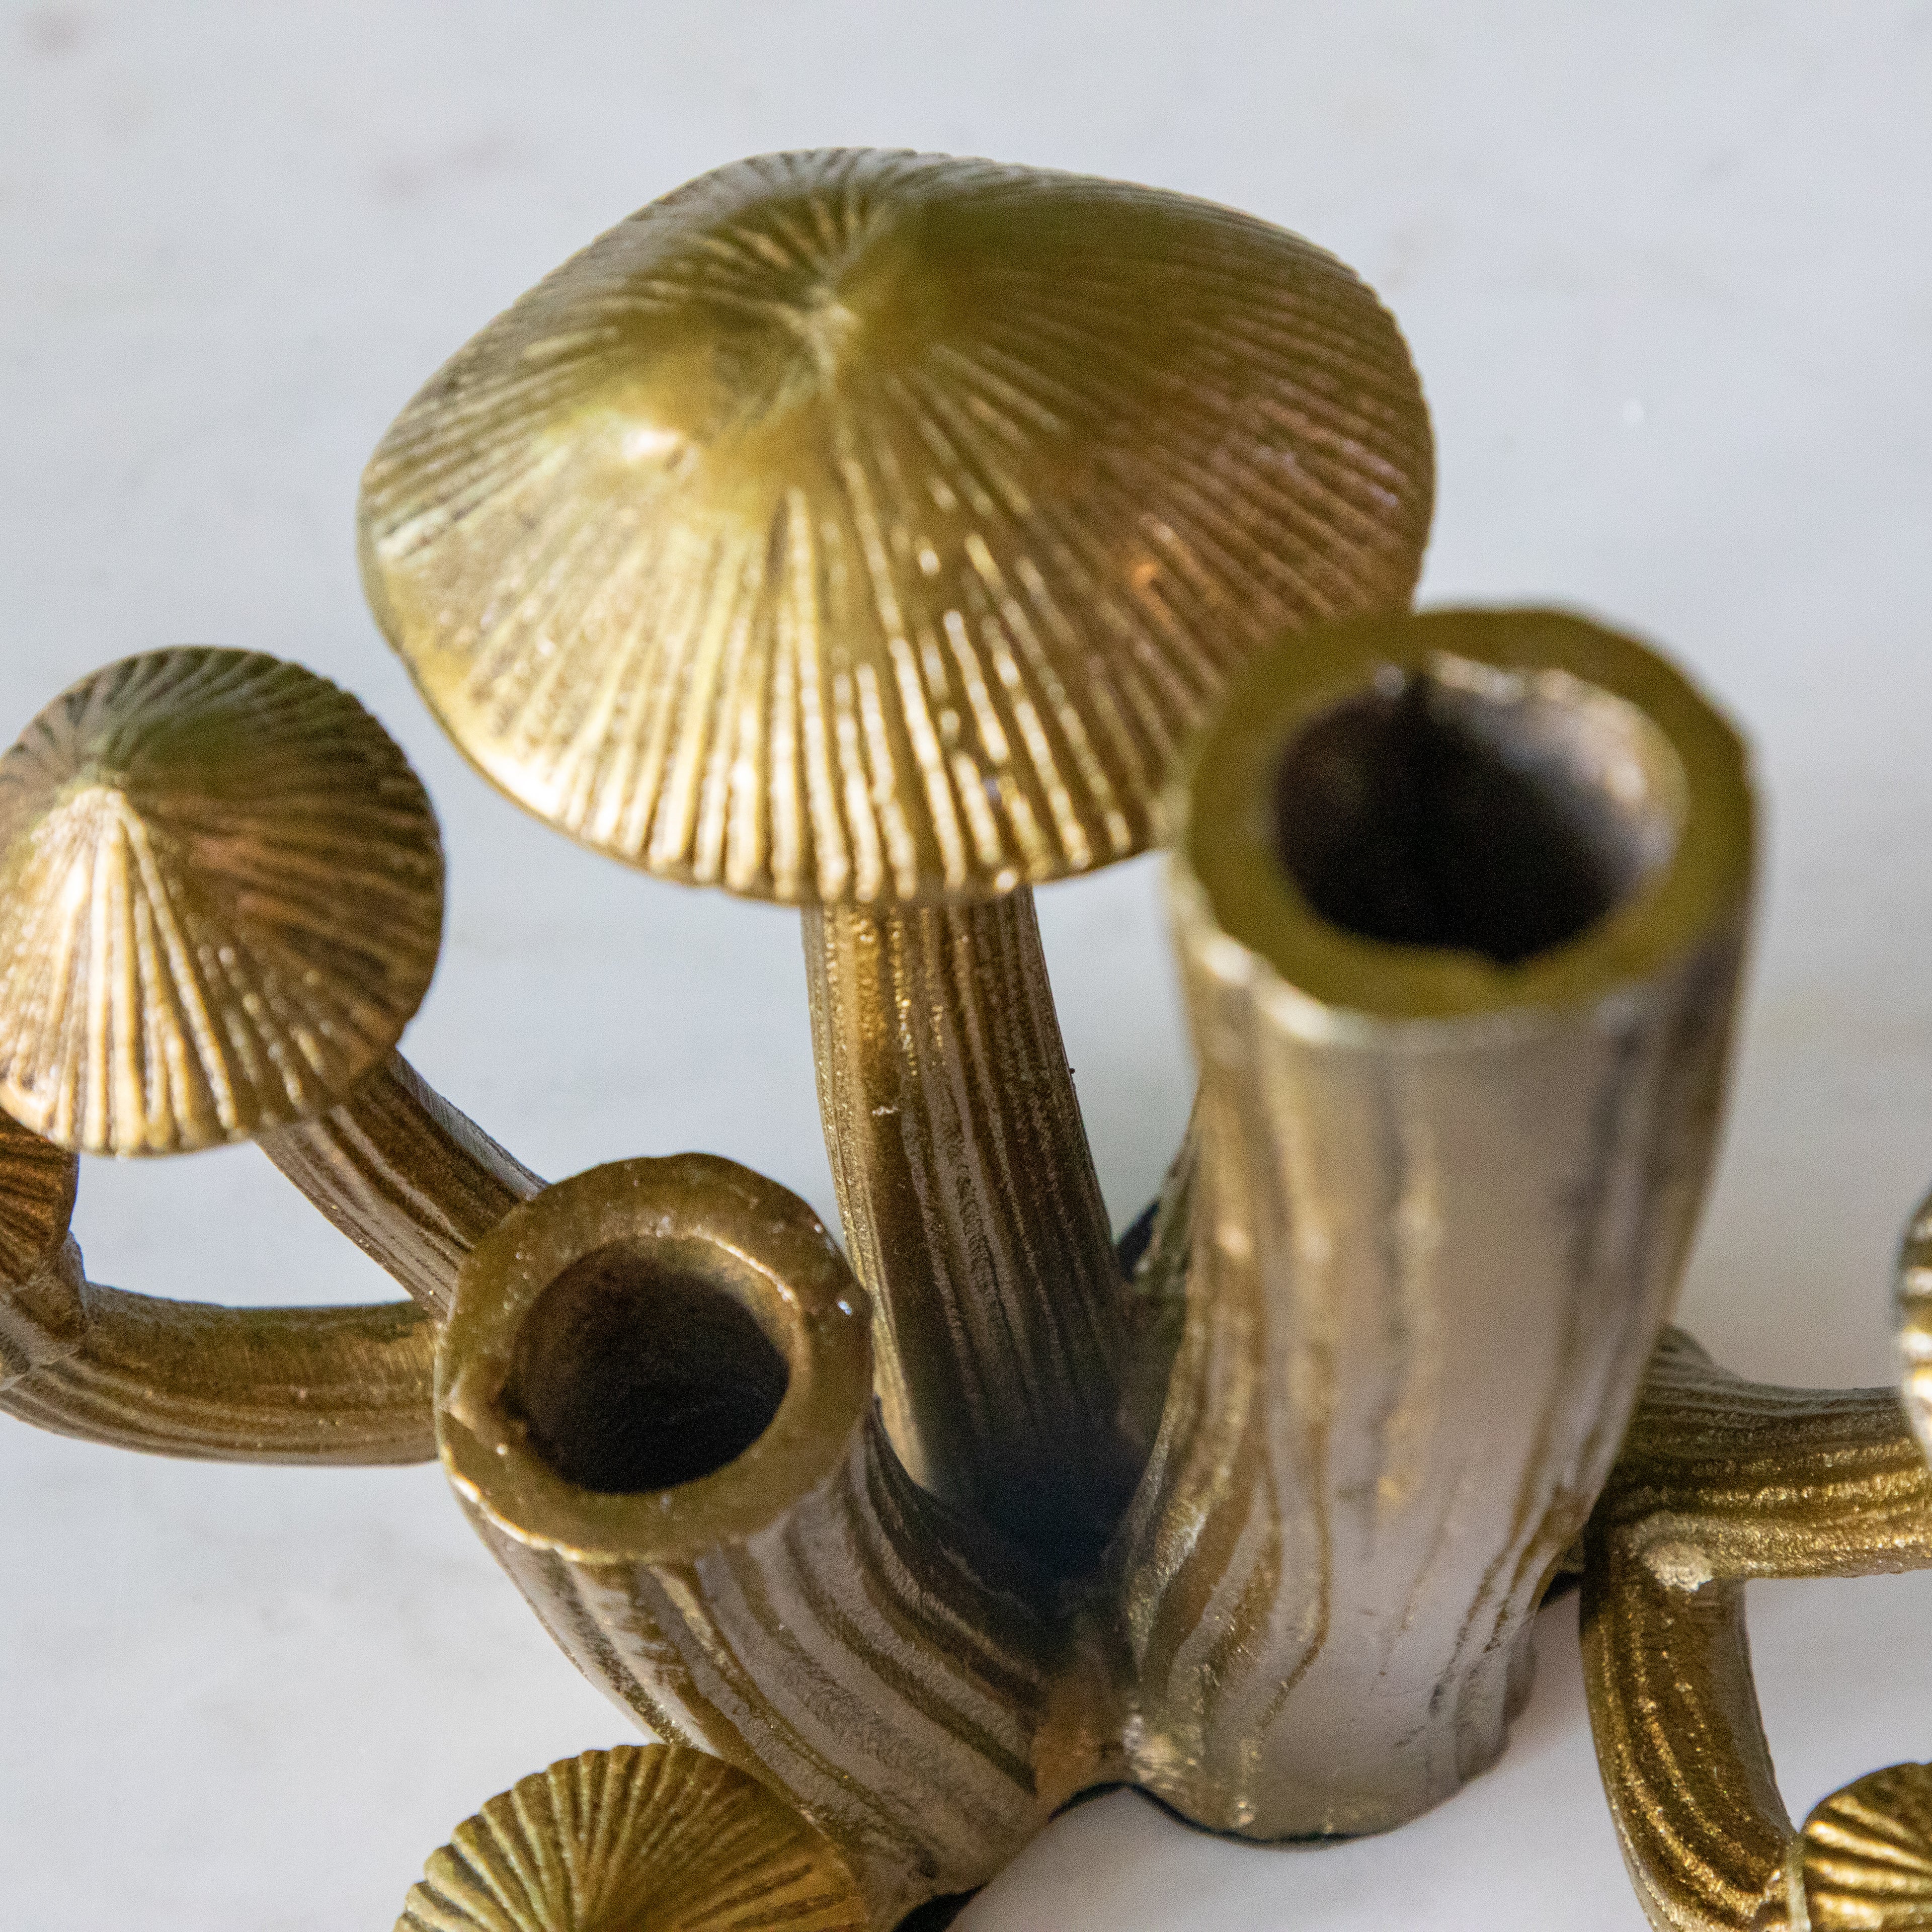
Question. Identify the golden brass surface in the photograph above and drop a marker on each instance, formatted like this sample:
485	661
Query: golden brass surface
413	1183
857	526
797	1606
1443	1196
220	901
1865	1854
1721	1480
973	1217
645	1838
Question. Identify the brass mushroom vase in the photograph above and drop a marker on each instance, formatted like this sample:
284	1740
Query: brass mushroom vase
889	535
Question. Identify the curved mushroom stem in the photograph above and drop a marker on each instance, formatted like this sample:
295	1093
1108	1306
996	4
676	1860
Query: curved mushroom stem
340	1385
1721	1481
412	1181
973	1217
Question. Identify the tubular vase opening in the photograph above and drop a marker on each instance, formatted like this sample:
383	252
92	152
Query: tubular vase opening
1460	900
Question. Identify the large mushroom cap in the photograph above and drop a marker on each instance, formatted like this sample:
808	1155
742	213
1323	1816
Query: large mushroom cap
856	526
220	901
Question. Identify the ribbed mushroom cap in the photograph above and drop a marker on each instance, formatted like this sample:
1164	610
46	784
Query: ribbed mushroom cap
220	901
855	527
1866	1853
643	1838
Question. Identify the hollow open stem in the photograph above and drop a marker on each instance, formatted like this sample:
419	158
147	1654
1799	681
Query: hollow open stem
1451	1149
973	1217
793	1602
412	1181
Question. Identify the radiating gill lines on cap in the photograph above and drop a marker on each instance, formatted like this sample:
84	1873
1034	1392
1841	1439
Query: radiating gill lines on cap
691	651
1222	527
170	953
543	580
988	489
831	840
1301	349
1201	529
489	485
1003	401
1097	677
1052	688
614	754
440	462
1123	670
1362	533
1166	648
1025	717
716	748
468	406
891	617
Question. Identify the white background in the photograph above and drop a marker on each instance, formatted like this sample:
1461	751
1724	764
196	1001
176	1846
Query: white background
1666	269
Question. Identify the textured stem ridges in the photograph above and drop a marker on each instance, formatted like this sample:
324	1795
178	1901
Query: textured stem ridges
973	1216
846	1652
412	1182
1721	1481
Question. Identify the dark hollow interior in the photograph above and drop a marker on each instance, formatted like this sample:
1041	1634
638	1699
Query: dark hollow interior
1426	814
628	1374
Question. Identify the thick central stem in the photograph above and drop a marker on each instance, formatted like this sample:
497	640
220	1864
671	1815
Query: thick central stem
973	1215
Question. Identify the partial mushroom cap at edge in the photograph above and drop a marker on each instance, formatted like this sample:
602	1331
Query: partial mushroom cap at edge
858	527
220	902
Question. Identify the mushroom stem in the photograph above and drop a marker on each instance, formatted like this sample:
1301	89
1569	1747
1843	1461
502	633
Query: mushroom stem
1721	1481
973	1217
412	1181
340	1385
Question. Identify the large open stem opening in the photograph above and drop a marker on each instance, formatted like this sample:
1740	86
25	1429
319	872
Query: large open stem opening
1479	810
632	1372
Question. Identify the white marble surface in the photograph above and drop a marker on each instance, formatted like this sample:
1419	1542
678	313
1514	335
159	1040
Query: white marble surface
1667	270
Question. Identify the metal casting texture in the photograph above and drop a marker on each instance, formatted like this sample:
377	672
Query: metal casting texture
644	1838
1721	1481
964	1182
220	901
854	527
1442	1202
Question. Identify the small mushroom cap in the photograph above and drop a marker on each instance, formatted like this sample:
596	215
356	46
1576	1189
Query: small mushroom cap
220	901
859	527
1866	1852
643	1838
